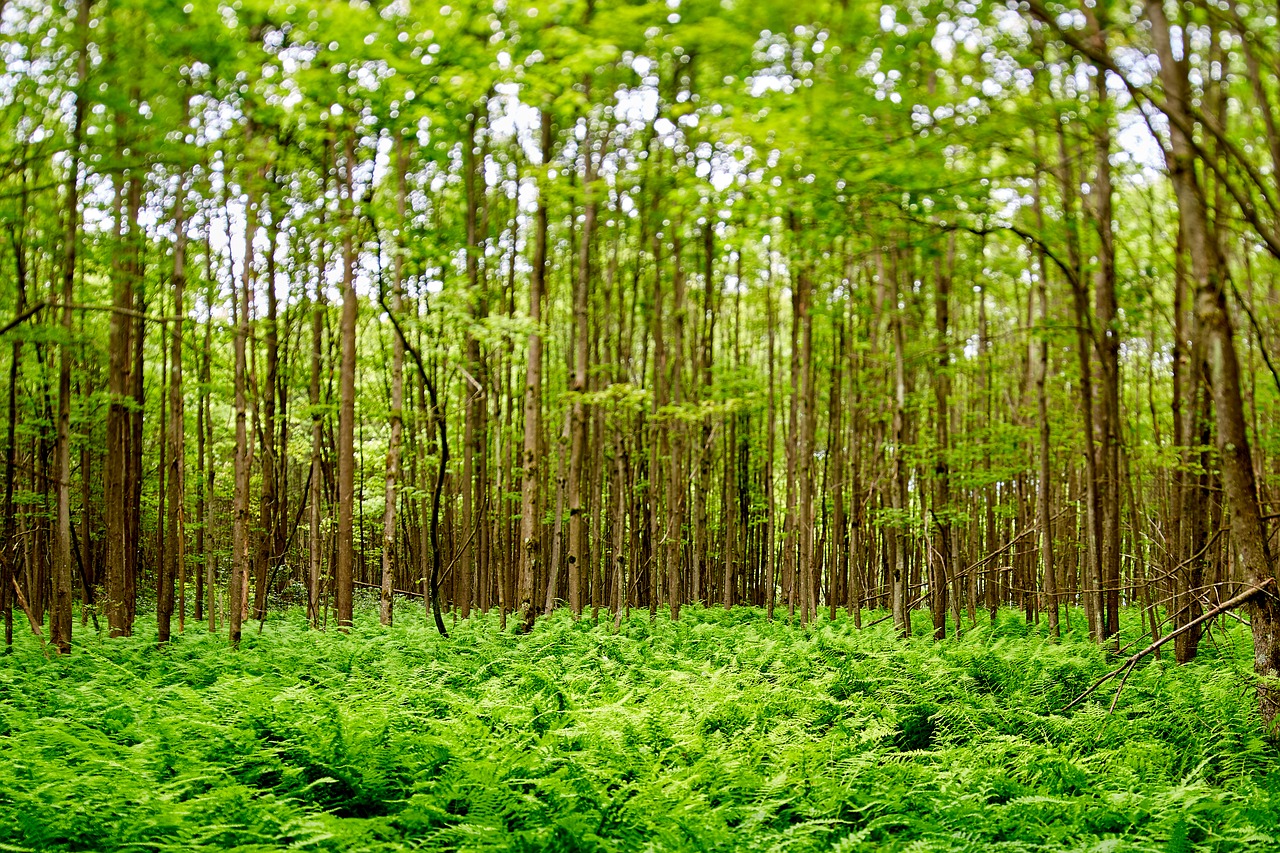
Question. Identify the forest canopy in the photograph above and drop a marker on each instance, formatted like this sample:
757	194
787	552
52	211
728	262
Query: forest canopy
934	307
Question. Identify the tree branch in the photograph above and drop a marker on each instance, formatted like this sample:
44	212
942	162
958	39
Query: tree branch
1129	664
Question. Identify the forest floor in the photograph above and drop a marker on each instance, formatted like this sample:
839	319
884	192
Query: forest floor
720	732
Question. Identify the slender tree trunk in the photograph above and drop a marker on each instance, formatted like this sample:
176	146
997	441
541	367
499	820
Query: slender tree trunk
1093	592
397	397
771	432
806	415
673	430
207	494
133	455
898	486
1041	371
202	554
836	442
347	399
658	435
267	540
60	615
315	478
530	528
240	524
115	471
175	525
1108	345
475	427
9	559
578	433
940	562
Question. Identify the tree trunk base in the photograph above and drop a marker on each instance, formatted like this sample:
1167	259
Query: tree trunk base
1265	617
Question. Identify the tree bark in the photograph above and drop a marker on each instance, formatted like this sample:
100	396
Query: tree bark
175	525
578	432
240	521
392	479
530	528
1248	534
347	398
60	615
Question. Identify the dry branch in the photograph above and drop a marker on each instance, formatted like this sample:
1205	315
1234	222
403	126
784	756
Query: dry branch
1132	661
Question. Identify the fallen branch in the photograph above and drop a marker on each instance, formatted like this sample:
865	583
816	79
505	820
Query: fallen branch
910	607
367	585
1132	661
26	608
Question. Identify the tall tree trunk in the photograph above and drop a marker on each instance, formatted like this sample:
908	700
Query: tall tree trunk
475	427
347	398
1108	344
658	435
9	559
133	455
836	443
268	541
940	561
1191	428
115	471
240	522
1093	586
201	554
701	548
578	433
397	395
530	528
898	486
316	476
207	495
673	430
175	525
771	432
1248	533
60	615
1040	349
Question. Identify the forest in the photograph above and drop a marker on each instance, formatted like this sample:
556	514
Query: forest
446	425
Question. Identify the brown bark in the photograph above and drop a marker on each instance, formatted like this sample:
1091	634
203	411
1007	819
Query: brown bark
347	400
896	531
1094	577
940	567
836	443
205	507
269	534
1108	347
392	477
175	551
60	612
578	431
237	589
1248	533
475	426
1044	518
120	548
771	432
673	433
530	539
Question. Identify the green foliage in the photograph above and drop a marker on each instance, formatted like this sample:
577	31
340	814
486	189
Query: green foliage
720	732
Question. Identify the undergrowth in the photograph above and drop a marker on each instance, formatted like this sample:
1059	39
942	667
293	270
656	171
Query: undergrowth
720	732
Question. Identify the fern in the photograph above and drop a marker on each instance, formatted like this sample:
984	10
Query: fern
721	732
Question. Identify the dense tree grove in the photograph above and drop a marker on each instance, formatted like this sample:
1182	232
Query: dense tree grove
936	306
